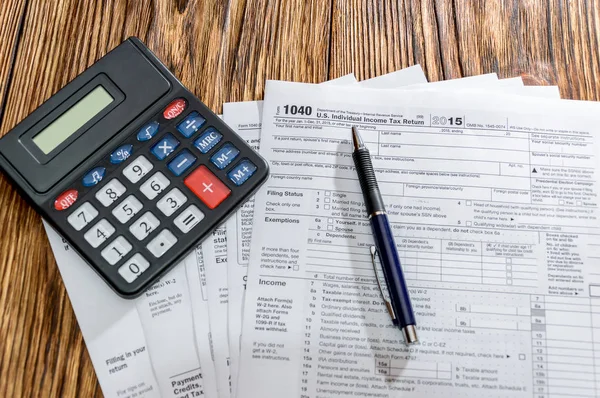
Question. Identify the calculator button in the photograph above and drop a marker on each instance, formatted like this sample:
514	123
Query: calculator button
188	219
116	250
240	173
94	176
121	153
99	233
224	156
82	216
137	169
181	162
207	187
110	192
66	199
207	141
148	131
143	226
134	267
191	124
128	208
171	202
165	146
175	108
161	243
155	185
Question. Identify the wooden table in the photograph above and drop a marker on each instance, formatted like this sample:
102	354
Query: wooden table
225	51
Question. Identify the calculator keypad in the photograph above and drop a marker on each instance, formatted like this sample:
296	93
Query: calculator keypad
171	202
110	192
143	226
149	204
82	216
137	169
188	219
134	267
116	250
161	243
155	185
99	233
128	208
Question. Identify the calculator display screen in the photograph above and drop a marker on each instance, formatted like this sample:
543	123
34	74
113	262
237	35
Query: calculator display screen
70	121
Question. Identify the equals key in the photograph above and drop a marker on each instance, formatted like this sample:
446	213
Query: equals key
188	219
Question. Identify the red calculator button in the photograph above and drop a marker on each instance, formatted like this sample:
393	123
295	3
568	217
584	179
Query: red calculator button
175	108
65	199
207	187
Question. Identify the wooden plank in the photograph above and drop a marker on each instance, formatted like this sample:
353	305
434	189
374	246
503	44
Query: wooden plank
12	18
43	353
287	40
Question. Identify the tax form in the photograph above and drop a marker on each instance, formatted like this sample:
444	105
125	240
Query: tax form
245	118
494	204
143	347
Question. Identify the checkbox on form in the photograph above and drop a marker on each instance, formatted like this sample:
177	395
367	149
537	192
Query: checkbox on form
327	200
469	203
327	193
326	207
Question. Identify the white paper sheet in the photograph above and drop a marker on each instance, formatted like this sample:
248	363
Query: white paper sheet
111	327
494	202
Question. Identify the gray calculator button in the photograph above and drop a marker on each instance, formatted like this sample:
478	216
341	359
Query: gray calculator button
155	185
188	219
99	233
134	267
82	216
110	192
116	250
161	243
137	169
171	202
128	208
143	226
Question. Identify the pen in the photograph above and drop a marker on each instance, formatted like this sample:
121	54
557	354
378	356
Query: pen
401	308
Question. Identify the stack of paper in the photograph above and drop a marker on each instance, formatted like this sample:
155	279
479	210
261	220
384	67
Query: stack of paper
492	190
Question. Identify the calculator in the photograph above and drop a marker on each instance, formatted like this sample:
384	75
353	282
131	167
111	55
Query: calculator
130	167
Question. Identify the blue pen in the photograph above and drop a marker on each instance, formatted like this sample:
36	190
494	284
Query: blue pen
401	308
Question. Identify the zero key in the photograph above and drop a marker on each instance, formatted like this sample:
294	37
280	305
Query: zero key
206	186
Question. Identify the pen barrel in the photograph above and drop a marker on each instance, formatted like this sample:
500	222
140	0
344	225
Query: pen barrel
368	182
392	269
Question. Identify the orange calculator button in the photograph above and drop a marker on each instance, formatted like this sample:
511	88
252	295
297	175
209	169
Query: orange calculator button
207	187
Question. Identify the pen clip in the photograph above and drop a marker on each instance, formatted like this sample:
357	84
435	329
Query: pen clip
388	304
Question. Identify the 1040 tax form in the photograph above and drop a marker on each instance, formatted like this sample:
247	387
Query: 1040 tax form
494	204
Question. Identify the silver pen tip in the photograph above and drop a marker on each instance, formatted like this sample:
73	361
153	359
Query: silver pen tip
410	334
357	139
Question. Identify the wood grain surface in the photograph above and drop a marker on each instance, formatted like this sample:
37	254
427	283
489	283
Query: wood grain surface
225	51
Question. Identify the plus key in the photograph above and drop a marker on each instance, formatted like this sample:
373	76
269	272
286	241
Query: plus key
206	186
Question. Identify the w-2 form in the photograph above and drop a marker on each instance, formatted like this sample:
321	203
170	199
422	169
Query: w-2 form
494	204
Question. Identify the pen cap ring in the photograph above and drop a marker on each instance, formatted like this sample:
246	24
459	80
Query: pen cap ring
367	180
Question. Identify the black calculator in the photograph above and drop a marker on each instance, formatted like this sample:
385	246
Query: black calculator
130	167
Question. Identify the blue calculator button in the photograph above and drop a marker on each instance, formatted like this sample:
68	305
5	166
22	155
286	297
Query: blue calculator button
121	153
94	176
181	162
208	140
224	156
165	146
240	173
191	124
148	131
